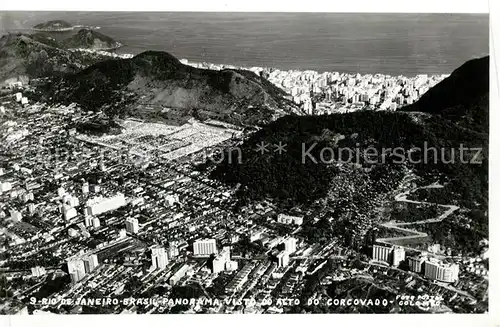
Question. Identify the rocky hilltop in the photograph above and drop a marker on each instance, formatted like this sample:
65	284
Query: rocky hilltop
54	26
90	39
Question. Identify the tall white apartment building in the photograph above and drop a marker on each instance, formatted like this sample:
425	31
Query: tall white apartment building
173	251
96	223
416	263
5	187
132	225
290	245
398	255
381	252
100	205
218	265
85	188
283	259
159	257
90	263
437	270
76	269
220	261
205	247
68	212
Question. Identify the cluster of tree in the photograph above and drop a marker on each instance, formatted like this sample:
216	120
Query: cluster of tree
246	248
38	64
444	195
190	291
461	237
36	221
319	233
360	289
299	176
98	127
52	285
219	285
411	212
132	285
45	259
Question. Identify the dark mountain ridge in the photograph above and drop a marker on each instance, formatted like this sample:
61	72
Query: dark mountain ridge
38	55
25	56
298	178
443	120
462	97
154	80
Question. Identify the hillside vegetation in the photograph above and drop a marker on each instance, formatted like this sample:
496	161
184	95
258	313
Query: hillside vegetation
287	178
89	39
154	80
36	55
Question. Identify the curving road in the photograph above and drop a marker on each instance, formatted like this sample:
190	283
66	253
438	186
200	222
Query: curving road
402	197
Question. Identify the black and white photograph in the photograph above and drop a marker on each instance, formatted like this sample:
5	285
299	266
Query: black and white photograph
215	162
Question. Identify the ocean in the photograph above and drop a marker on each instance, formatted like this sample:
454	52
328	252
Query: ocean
395	44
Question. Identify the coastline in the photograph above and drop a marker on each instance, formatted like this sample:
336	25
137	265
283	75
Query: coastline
214	66
106	51
64	29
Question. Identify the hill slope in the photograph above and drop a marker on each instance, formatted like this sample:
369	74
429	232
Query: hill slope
347	161
153	80
53	26
462	97
90	39
28	56
347	155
